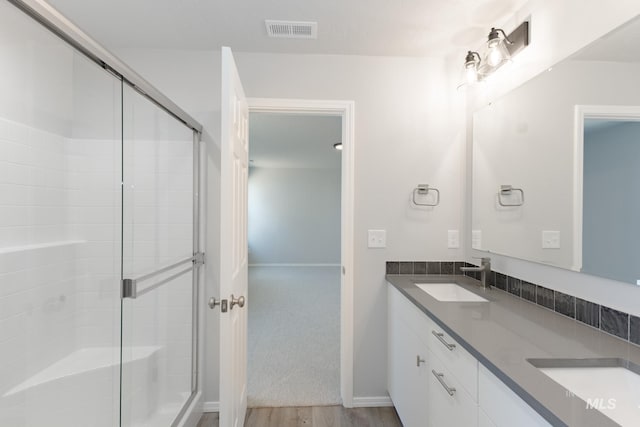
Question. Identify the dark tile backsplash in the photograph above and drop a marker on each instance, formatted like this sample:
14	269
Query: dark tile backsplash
588	312
406	268
544	297
528	291
565	304
393	267
433	267
514	286
612	321
446	268
634	329
420	268
501	281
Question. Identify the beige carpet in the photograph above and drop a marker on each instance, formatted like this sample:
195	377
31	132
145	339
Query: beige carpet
294	336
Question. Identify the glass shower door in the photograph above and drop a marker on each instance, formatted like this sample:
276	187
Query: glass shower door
159	266
60	231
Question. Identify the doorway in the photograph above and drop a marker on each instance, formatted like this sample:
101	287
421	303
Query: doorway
342	112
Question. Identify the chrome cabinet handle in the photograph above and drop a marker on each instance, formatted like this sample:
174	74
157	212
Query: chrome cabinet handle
419	361
440	337
439	377
236	301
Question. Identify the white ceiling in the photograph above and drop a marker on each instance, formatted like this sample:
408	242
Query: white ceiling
359	27
294	141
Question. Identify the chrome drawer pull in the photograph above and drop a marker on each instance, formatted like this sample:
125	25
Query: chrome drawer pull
450	390
440	337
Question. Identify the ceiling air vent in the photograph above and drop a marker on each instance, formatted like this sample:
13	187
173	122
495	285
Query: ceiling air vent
292	29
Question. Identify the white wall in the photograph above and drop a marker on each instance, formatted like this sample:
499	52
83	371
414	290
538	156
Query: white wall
294	216
557	30
405	134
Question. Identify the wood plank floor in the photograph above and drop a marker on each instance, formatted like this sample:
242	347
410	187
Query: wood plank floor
316	416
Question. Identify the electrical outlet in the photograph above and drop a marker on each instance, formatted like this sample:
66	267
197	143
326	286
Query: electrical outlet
453	239
550	239
377	238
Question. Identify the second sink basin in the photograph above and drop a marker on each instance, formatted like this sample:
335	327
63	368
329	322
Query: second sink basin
611	386
449	292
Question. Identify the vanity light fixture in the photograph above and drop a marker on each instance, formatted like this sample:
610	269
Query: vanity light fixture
500	48
472	66
338	146
497	51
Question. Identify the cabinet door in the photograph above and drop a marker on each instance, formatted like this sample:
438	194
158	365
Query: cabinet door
407	373
503	406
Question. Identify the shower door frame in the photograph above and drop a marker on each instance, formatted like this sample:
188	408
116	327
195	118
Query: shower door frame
55	22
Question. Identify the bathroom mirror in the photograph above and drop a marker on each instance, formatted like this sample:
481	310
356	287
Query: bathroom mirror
556	164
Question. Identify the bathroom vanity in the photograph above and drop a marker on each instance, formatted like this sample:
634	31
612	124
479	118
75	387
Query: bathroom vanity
461	355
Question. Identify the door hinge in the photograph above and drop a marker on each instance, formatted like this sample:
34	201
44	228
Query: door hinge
198	258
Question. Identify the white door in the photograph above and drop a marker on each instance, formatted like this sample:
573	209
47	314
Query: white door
234	161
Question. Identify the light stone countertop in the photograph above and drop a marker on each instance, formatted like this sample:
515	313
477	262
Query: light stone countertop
507	330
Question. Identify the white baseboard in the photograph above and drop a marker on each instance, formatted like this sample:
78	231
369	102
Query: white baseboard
372	402
294	265
358	402
211	407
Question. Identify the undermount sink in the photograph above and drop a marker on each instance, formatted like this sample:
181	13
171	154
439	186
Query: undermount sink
449	292
611	386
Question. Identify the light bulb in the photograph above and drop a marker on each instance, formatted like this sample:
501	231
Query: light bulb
494	56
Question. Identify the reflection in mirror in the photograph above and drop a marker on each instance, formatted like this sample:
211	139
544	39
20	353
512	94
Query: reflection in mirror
611	202
532	139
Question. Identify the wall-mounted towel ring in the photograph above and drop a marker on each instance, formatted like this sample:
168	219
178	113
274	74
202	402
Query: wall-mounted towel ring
423	190
506	191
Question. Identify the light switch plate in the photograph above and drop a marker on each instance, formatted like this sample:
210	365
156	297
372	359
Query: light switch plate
453	239
476	239
550	239
377	239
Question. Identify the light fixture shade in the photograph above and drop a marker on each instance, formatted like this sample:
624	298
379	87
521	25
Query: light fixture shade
497	51
472	66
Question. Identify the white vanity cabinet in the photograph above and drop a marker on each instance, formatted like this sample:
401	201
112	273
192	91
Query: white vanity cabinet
502	406
407	373
428	386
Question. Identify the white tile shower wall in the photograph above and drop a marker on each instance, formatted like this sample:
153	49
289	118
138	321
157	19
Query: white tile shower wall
94	212
38	267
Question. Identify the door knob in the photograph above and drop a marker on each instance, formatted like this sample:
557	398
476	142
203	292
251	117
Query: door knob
213	302
236	301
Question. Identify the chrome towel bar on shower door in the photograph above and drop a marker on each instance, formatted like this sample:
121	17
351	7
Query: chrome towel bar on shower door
130	286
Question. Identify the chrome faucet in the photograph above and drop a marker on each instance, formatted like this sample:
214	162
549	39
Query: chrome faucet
484	269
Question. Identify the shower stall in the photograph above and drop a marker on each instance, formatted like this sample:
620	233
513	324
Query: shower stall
100	259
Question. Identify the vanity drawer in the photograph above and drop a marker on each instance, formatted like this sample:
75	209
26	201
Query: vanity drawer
449	407
456	359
